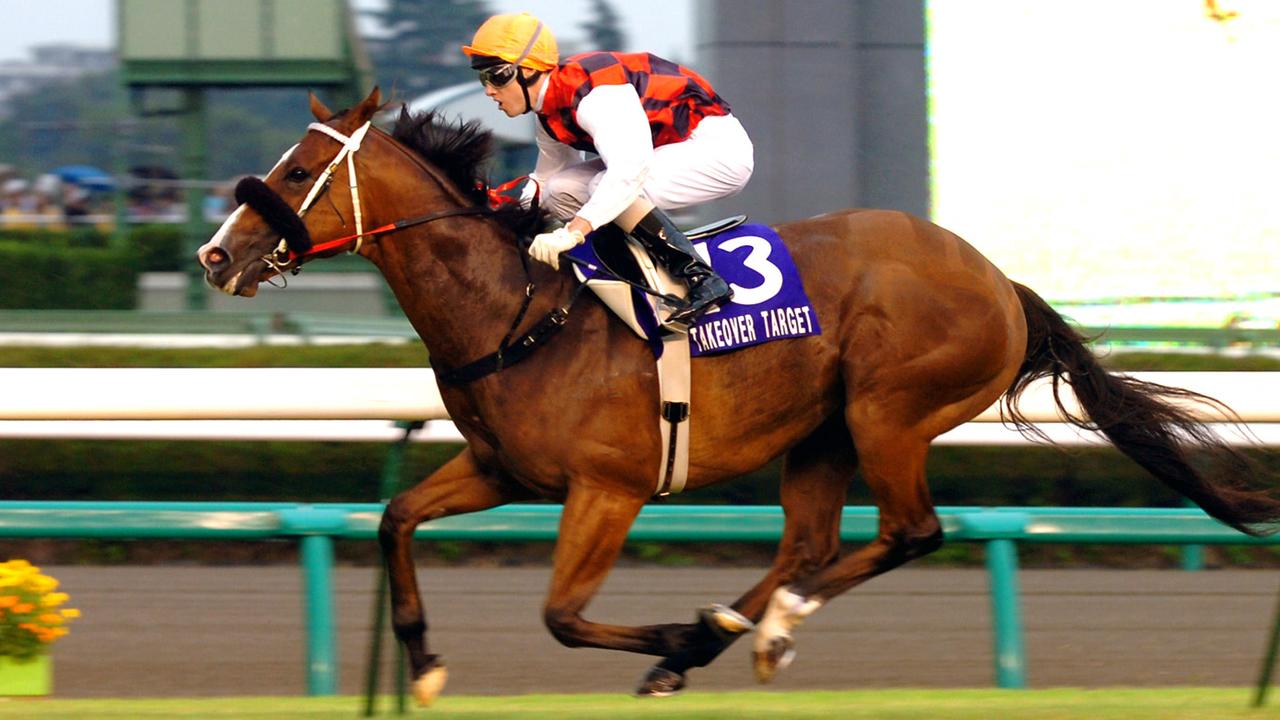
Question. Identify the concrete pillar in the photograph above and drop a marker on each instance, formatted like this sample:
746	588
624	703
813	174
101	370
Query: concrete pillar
833	95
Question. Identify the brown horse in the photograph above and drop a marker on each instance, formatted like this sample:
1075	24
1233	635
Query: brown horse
920	334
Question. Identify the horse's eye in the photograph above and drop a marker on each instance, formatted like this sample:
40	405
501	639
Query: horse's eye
298	175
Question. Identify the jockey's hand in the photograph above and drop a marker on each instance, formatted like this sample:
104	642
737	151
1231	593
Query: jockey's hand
548	246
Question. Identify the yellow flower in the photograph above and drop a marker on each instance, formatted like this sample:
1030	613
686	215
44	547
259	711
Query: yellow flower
30	611
43	584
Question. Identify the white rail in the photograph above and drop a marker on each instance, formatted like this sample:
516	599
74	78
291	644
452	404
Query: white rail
347	403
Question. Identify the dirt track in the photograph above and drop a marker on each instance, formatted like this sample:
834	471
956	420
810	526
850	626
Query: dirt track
186	631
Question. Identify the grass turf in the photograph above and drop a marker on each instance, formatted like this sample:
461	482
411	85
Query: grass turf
1055	704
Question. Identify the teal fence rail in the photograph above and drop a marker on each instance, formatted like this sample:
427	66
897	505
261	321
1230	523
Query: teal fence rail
315	527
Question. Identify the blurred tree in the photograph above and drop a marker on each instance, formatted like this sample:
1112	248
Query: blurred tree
85	121
61	123
603	30
417	48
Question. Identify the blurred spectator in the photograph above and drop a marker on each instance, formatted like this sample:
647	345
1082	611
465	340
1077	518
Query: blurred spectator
75	204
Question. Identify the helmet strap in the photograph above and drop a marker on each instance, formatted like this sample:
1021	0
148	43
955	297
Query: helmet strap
525	82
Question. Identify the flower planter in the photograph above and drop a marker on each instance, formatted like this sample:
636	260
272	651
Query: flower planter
25	679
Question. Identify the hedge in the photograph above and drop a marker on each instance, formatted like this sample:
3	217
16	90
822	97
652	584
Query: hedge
161	247
76	237
34	275
158	248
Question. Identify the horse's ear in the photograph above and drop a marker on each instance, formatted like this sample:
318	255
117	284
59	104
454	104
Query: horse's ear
369	106
318	109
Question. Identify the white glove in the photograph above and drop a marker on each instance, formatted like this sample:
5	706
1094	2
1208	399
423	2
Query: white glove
548	246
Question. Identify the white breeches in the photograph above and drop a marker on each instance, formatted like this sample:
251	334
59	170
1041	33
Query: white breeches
715	161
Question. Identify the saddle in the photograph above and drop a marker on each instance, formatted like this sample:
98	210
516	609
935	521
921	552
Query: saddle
622	260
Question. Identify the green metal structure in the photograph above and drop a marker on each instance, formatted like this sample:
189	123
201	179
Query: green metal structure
190	46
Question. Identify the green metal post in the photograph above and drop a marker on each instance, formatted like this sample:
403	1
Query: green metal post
1192	555
1268	662
402	680
194	167
391	471
317	570
123	131
1006	616
375	642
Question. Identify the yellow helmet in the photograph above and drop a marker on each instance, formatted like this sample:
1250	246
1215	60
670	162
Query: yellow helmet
520	39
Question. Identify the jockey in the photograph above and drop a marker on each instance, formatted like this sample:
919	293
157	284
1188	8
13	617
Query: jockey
663	137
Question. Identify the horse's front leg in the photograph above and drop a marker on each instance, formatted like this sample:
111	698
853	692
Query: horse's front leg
459	486
593	528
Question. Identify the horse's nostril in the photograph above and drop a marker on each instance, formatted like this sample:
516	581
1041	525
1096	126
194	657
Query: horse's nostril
216	258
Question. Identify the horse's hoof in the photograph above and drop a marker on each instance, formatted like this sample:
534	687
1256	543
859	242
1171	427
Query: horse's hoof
724	621
427	688
777	656
660	682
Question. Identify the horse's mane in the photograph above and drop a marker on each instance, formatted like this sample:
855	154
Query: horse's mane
460	150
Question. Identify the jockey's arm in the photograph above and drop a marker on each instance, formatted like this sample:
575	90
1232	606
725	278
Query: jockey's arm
553	156
618	126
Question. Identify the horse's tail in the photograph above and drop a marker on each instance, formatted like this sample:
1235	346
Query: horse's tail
1148	422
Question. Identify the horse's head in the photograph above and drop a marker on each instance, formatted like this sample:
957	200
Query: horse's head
267	234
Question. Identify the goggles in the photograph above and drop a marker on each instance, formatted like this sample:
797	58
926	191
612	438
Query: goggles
498	75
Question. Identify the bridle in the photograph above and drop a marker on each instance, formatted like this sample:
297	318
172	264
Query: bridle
283	220
287	258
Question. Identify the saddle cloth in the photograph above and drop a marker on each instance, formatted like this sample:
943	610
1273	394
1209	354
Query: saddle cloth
769	301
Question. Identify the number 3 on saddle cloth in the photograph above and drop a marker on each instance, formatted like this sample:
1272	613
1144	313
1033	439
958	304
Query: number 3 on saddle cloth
769	303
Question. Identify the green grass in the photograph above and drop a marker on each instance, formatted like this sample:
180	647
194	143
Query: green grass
1058	704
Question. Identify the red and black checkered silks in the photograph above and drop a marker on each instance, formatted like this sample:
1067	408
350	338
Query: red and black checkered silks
674	97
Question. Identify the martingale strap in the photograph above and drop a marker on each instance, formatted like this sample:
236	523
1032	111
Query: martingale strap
509	354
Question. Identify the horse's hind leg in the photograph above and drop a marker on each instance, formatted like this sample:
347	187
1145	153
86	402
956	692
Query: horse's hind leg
815	478
458	487
892	458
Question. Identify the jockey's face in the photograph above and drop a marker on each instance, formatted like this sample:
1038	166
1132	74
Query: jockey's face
509	97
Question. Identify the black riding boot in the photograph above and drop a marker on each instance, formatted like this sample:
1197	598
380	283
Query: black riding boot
669	246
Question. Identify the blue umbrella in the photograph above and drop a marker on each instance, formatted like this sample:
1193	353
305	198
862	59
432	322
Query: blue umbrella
86	176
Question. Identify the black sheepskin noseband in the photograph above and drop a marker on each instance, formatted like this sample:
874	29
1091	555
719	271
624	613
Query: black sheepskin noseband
253	192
